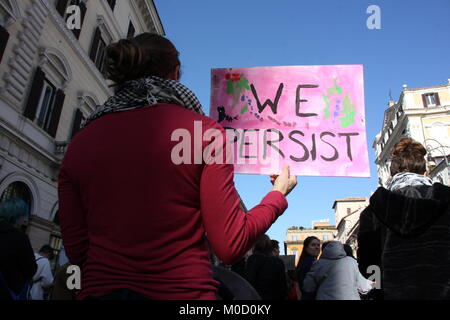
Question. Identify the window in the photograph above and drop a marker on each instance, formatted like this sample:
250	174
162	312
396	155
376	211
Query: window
17	190
430	100
395	120
349	210
112	4
325	238
131	30
294	238
391	129
45	103
78	120
294	252
56	218
100	56
4	37
98	50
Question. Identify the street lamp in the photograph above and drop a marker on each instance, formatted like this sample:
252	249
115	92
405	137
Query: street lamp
430	149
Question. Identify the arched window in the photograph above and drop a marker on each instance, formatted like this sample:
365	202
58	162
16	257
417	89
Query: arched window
17	190
46	97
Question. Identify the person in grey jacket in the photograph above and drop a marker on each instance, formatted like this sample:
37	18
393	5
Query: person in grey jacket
335	276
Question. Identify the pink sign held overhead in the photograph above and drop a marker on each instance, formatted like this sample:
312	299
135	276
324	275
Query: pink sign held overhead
311	117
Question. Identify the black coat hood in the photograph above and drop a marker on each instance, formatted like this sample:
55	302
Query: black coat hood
411	210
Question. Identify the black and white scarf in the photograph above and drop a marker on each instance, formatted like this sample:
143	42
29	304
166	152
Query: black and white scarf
405	179
146	92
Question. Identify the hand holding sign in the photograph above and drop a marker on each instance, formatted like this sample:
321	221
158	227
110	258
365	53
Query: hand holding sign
284	183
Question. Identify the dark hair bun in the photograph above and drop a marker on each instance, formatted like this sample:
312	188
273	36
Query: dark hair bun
408	156
147	54
410	147
123	60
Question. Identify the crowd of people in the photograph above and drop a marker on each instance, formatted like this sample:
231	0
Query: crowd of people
142	227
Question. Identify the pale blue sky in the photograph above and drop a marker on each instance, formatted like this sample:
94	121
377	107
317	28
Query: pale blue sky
412	47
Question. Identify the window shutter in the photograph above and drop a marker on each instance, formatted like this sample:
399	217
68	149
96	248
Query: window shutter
56	113
83	10
4	37
61	7
95	43
424	100
35	94
436	98
77	122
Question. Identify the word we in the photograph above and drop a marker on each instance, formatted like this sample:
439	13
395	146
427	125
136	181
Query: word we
374	21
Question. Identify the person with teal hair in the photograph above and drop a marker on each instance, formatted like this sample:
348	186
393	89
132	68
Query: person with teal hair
14	212
17	263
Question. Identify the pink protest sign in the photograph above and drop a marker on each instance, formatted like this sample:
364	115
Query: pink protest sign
311	117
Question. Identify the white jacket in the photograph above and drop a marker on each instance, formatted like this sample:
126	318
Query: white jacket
335	276
44	273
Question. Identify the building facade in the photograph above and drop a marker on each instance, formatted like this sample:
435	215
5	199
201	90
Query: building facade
424	115
51	78
347	212
295	237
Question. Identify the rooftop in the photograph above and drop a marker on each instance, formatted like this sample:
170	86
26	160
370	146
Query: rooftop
350	199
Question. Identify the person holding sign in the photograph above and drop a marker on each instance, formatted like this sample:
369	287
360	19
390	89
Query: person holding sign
133	217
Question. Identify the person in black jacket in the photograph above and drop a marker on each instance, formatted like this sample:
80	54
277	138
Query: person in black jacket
405	230
17	263
265	272
310	252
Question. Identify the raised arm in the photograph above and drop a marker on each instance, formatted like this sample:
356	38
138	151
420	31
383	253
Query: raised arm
230	230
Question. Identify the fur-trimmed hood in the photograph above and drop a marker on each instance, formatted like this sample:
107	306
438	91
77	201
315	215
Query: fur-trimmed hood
411	210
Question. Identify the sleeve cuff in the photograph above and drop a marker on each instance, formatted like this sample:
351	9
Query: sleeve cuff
278	200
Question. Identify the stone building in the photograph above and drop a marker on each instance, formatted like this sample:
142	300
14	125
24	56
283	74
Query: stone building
295	236
51	78
347	212
424	115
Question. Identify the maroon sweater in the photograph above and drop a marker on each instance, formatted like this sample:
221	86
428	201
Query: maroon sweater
131	218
